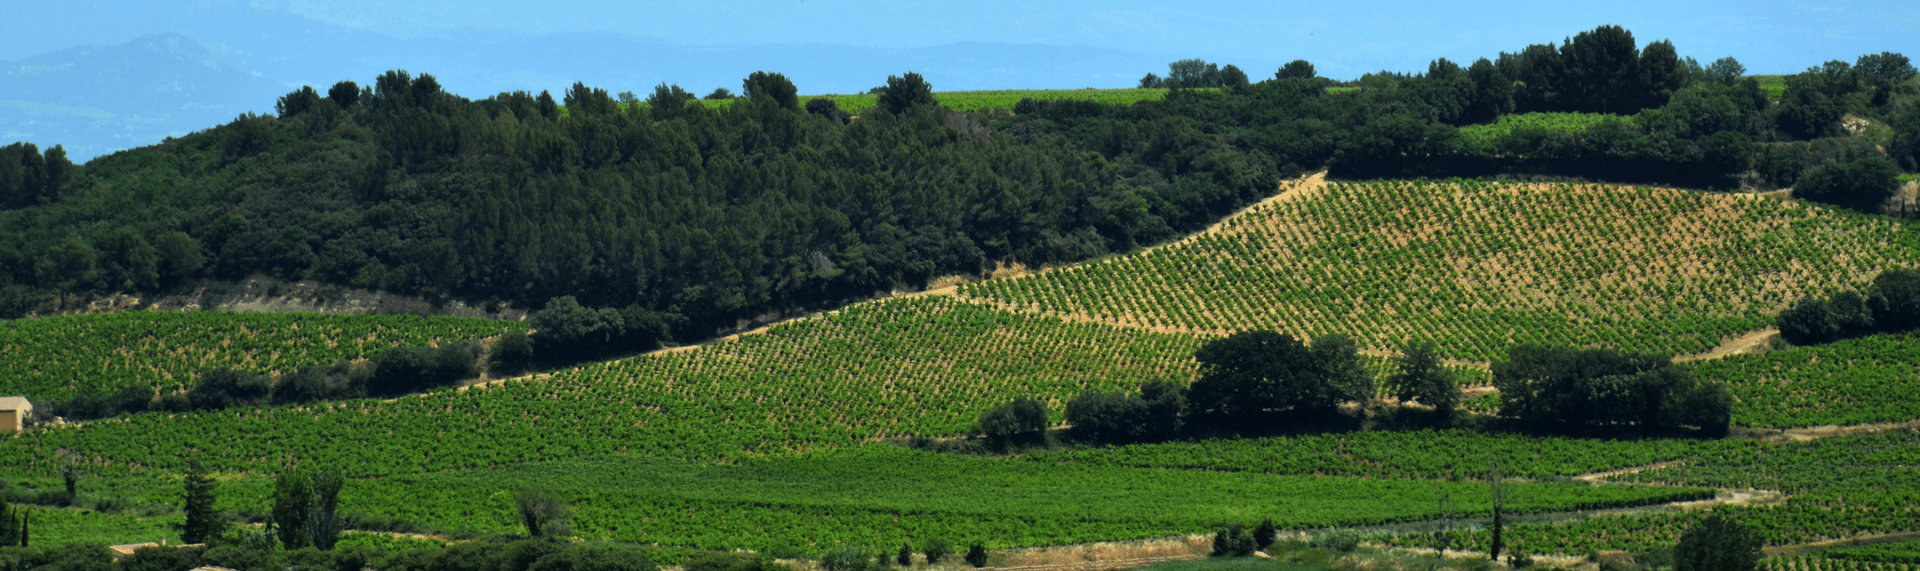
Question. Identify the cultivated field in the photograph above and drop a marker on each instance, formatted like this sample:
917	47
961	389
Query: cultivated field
63	357
1479	267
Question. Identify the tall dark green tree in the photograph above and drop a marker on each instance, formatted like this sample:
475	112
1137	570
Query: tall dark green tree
668	102
204	521
293	508
1232	77
1886	73
324	525
1421	377
771	86
1863	184
1253	373
1022	420
1894	299
1189	73
1602	72
1296	69
12	525
904	92
1726	70
544	513
344	94
1718	543
1497	493
1906	140
1662	72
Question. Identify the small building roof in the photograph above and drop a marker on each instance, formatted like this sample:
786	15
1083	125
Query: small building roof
15	403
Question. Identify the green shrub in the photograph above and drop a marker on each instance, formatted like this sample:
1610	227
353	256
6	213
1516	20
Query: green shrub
936	549
977	555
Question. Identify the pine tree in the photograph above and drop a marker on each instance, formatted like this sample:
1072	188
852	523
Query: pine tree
906	555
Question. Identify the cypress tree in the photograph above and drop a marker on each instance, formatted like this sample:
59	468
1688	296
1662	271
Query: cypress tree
293	508
203	522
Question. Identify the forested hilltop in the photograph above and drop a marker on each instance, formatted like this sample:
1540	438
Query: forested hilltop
690	218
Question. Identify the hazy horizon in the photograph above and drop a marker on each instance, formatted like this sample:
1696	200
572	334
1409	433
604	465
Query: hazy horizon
99	75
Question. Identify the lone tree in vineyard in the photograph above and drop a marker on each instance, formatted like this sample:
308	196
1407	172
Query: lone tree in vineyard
1717	544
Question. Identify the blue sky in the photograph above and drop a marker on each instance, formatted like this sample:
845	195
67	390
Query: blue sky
1343	38
1776	36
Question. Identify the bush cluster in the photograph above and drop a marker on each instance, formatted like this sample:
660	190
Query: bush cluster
1890	304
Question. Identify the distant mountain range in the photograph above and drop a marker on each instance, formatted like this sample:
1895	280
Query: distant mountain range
97	99
204	70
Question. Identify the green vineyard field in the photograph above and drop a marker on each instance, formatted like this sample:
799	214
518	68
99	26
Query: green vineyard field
1902	553
1426	454
61	357
926	365
1855	381
1483	266
881	495
1484	136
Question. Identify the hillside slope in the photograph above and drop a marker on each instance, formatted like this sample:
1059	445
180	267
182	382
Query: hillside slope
1479	267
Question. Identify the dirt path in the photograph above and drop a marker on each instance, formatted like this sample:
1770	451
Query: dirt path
1748	343
1601	477
1795	549
1811	433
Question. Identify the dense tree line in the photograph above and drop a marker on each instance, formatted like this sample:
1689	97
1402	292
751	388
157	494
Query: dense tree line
672	221
1557	389
683	219
1259	381
29	178
1677	122
396	371
1196	74
1891	304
